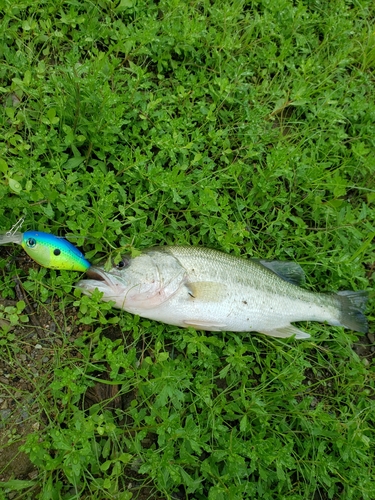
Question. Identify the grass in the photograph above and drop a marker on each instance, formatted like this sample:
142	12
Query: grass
244	126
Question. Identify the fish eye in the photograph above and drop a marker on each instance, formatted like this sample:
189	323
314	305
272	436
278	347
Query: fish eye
31	242
124	262
57	251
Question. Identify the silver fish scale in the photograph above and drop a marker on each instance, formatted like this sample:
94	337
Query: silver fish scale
210	290
253	292
207	264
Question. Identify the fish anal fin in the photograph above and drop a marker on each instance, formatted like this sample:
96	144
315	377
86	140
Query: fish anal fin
287	331
206	291
288	271
210	326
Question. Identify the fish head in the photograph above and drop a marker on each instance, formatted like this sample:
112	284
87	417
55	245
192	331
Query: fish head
128	284
136	284
53	252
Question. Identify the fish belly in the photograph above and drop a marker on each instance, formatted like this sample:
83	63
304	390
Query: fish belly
240	312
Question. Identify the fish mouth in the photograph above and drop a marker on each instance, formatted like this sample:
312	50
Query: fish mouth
96	274
97	278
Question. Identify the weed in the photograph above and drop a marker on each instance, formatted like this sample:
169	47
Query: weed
243	126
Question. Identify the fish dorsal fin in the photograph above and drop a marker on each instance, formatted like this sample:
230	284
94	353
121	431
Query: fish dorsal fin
288	271
287	331
206	291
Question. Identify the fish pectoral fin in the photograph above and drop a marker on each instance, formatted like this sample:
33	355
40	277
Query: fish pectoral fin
210	326
287	331
207	291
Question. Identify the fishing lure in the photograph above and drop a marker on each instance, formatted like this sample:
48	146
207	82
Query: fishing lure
48	250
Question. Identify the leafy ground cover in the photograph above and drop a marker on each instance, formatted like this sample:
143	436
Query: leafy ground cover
244	126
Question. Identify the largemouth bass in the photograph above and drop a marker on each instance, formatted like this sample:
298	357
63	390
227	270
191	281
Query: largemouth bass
210	290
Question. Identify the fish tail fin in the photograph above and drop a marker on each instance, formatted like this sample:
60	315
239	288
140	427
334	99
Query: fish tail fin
352	306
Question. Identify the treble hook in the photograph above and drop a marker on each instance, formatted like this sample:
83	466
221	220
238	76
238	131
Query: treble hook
16	227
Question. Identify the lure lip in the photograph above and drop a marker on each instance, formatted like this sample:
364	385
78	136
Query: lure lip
11	238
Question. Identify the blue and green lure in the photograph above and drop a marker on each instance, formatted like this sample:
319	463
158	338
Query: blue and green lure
49	250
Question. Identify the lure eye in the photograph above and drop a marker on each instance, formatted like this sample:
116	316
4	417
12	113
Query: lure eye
57	251
123	263
31	242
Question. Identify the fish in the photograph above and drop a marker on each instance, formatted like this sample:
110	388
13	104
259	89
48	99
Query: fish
210	290
48	250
